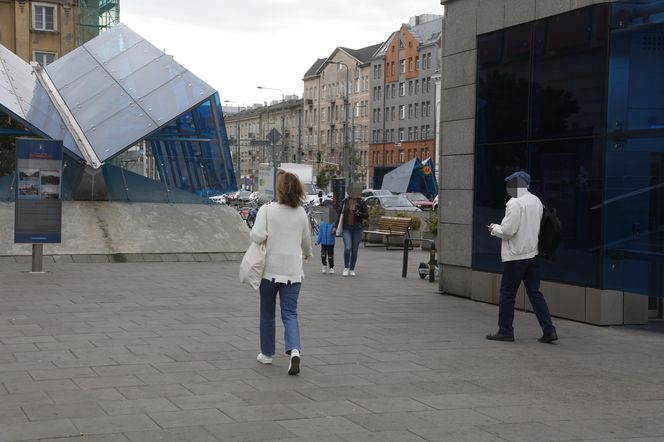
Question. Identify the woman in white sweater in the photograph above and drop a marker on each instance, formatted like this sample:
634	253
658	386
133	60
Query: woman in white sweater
285	228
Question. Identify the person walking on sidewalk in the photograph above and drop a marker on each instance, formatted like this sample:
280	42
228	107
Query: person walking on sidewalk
326	240
285	228
519	231
353	212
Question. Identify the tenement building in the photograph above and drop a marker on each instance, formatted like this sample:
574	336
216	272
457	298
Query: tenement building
327	83
572	93
403	96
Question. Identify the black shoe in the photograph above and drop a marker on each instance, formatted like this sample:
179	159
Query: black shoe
548	338
500	337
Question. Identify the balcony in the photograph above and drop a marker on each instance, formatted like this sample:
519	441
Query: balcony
309	102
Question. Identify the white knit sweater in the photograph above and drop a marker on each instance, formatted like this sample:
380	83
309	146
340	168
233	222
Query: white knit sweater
288	240
520	228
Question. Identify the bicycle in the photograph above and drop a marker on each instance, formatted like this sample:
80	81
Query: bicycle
311	215
248	214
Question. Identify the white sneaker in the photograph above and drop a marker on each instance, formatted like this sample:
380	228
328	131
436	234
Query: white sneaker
352	273
331	271
324	271
267	360
345	272
294	366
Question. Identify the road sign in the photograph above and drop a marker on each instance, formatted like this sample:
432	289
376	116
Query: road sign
274	136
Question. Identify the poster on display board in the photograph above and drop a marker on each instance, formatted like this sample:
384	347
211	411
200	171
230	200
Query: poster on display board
38	209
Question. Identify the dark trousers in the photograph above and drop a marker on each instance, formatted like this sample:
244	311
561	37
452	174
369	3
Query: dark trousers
327	255
528	271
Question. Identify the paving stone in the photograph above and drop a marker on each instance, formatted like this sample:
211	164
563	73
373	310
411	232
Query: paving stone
37	430
189	418
137	406
189	434
39	412
246	413
390	421
114	424
328	408
206	401
385	405
249	431
154	391
383	436
320	426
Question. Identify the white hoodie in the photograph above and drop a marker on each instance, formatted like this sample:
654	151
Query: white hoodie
520	227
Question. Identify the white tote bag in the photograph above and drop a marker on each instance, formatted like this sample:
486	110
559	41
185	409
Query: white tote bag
253	262
340	225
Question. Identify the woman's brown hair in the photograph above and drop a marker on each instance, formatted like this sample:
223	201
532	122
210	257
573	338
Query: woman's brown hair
289	189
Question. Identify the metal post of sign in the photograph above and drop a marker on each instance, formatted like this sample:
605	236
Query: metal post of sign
37	258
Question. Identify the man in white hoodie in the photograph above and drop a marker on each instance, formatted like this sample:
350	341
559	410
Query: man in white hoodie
519	231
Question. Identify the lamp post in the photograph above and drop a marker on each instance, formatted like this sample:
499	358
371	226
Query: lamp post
237	141
283	138
347	174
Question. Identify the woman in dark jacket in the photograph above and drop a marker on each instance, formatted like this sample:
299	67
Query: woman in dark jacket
353	212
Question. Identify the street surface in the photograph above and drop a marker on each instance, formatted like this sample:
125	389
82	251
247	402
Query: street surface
167	352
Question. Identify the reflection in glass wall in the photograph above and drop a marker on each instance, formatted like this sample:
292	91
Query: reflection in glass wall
540	106
634	176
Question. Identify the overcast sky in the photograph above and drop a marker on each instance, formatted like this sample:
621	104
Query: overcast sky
236	45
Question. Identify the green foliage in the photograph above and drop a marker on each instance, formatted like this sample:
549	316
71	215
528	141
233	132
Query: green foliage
376	211
324	176
432	222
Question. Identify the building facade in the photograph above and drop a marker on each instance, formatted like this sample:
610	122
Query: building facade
44	31
403	99
327	125
570	92
254	126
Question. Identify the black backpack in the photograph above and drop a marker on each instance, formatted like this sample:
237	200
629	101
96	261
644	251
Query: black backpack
551	230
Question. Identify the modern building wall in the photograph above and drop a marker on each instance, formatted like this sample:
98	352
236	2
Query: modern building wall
403	96
465	21
39	30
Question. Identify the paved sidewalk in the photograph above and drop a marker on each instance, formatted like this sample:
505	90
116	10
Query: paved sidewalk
166	352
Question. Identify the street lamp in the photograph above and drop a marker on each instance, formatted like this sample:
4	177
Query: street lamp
237	141
283	138
347	174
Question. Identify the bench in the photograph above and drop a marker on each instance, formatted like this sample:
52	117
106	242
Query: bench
389	226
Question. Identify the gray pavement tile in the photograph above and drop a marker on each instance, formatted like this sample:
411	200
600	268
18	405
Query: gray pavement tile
188	434
137	406
18	387
448	418
231	374
392	404
320	426
527	432
172	378
390	421
40	412
247	413
90	383
248	431
270	397
154	391
328	408
91	438
189	418
37	430
120	370
335	393
383	436
326	380
175	367
71	397
457	434
330	438
219	387
114	424
206	401
646	426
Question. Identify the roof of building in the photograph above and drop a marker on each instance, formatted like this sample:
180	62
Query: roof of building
313	70
426	33
363	55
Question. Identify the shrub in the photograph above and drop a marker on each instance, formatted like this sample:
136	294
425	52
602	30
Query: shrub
432	223
415	221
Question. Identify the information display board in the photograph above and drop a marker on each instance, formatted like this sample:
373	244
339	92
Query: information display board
38	210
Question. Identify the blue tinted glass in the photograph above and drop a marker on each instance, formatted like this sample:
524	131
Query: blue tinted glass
503	85
568	76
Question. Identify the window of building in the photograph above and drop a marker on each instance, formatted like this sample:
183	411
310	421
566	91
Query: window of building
411	66
428	108
402	112
410	88
402	134
402	89
410	111
394	113
401	154
44	17
417	87
402	66
44	58
394	89
417	62
415	113
410	133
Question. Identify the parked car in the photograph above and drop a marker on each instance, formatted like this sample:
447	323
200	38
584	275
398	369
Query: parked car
392	202
241	196
375	192
419	200
218	199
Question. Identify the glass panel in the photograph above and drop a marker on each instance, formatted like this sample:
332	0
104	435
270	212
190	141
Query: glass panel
569	74
89	113
152	76
119	131
133	59
503	83
112	43
175	97
70	68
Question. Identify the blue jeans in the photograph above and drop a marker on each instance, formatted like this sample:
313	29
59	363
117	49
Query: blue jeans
528	271
352	239
288	294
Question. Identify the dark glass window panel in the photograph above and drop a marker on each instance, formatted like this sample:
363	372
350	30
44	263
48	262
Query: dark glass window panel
566	175
629	14
502	89
568	83
492	165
